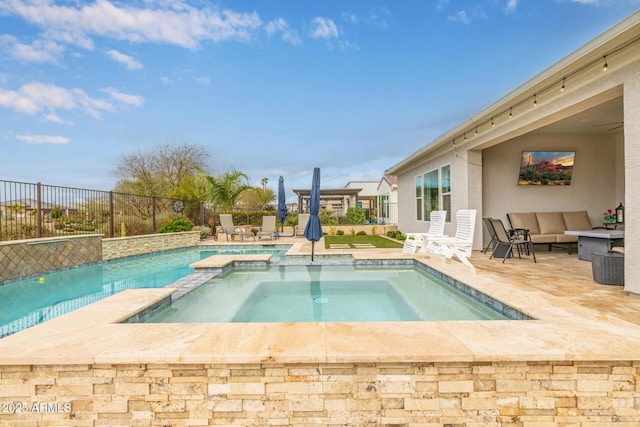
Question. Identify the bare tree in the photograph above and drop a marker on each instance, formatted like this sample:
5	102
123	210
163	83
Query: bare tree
165	170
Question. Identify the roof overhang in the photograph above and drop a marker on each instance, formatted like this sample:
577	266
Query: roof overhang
612	45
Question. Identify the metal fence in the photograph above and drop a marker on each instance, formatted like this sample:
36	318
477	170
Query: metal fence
29	210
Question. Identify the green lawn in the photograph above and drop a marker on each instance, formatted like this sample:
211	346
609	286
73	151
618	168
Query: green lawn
377	241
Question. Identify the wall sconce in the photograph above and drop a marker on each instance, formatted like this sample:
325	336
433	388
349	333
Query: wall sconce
620	214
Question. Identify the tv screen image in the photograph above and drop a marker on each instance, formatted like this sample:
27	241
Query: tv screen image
546	167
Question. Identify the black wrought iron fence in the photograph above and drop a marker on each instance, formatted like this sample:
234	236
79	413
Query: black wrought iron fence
29	210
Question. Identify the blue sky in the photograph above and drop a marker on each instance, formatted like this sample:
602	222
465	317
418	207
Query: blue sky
268	87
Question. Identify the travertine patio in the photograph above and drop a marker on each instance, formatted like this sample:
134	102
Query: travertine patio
577	364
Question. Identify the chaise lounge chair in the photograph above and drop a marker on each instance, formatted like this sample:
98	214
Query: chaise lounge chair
227	227
424	241
268	228
302	223
461	244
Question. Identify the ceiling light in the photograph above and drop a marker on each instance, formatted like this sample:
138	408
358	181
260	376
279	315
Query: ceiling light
562	88
605	67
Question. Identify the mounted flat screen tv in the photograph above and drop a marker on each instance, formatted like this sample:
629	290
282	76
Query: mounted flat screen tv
546	168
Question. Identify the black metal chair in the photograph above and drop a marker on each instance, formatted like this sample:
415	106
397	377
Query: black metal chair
511	240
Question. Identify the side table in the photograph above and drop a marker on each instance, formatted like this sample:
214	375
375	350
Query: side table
608	269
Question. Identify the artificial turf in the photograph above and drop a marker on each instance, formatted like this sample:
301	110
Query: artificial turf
377	241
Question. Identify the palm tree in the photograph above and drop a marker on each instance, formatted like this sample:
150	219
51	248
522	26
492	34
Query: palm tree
226	189
264	182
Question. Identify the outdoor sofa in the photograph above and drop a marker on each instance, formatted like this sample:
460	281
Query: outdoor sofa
549	227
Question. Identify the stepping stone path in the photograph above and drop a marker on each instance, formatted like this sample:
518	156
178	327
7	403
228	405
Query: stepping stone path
363	245
339	246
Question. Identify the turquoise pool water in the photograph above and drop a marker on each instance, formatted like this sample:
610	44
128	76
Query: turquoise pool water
28	302
317	293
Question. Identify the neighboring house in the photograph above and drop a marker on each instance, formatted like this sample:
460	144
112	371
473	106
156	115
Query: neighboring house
577	105
367	197
388	200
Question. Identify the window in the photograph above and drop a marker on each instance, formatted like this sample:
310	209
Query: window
419	198
433	192
384	205
430	193
445	172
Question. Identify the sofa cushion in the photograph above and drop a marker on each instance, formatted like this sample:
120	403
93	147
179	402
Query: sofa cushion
544	238
578	220
526	220
550	222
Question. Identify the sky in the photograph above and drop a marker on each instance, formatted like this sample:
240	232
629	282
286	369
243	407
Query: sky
269	88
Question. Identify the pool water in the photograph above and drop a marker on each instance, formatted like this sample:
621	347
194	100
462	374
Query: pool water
324	293
26	303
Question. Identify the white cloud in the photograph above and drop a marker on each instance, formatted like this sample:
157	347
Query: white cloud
280	25
38	51
512	5
42	139
175	23
46	99
460	16
128	61
323	28
441	4
124	98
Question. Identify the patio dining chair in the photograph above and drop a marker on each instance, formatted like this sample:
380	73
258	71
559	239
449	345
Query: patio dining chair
492	232
511	240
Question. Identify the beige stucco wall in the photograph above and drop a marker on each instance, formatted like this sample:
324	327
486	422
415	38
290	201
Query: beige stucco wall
594	185
632	178
466	191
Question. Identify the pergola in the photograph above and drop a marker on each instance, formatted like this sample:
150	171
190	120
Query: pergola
326	195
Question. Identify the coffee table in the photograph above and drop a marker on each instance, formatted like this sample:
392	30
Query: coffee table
596	241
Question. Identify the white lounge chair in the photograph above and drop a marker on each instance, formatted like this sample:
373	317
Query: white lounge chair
227	227
461	244
424	241
268	228
302	223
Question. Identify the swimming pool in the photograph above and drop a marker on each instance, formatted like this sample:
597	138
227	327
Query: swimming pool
25	303
315	293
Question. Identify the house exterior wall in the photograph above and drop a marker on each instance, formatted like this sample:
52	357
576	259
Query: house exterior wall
632	179
466	191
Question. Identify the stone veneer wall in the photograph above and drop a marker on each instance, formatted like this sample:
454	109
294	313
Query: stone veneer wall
368	394
120	247
24	258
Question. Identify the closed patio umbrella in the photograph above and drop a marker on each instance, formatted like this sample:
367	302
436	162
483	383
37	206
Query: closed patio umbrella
282	203
313	230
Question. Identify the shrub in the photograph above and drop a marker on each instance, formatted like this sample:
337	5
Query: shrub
361	233
176	224
391	233
339	232
204	231
356	215
352	231
374	228
55	213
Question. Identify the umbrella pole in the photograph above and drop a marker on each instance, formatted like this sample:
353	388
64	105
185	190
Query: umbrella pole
313	243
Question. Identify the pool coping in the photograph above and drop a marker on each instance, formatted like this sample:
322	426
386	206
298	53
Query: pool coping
563	331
